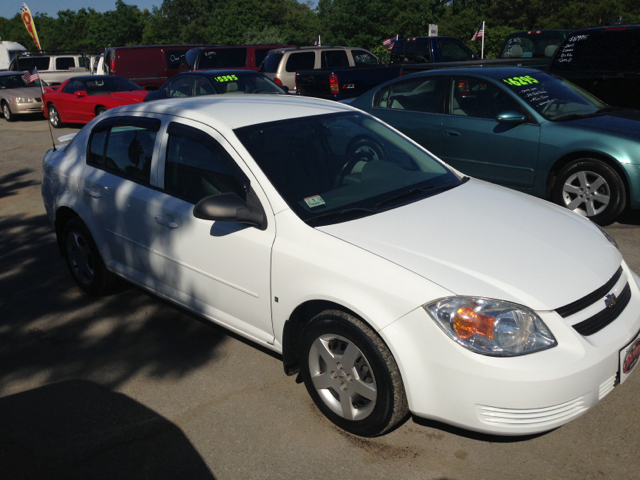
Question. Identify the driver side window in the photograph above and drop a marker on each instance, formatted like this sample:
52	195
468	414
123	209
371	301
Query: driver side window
474	97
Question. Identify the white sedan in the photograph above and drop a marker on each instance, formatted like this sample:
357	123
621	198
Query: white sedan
390	281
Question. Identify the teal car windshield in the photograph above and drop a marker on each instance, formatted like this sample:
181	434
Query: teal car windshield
334	168
554	98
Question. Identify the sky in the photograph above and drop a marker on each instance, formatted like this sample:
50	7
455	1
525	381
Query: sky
8	8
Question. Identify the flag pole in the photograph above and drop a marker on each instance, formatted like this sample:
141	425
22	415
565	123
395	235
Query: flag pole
53	142
484	32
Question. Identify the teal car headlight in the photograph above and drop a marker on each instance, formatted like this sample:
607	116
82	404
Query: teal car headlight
491	327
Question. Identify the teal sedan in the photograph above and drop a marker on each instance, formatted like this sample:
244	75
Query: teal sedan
521	128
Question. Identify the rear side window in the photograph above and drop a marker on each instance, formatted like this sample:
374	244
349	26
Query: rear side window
65	63
124	150
223	58
600	50
334	59
363	58
195	169
260	54
415	94
301	61
271	63
174	57
41	63
452	51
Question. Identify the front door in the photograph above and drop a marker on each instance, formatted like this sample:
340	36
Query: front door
217	268
478	145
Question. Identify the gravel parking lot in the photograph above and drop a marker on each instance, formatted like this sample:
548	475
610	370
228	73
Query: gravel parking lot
130	386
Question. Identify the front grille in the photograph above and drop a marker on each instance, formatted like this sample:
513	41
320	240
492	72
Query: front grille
605	317
515	417
590	299
38	99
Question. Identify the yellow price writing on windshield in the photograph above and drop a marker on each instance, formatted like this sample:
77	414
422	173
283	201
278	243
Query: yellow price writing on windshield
519	81
226	78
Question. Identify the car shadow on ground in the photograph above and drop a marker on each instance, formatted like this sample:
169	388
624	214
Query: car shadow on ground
482	437
79	430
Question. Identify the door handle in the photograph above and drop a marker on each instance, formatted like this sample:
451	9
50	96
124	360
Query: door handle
451	133
167	223
92	193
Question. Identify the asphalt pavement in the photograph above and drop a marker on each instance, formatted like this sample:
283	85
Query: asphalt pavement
129	386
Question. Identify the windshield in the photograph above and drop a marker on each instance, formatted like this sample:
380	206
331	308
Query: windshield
553	97
333	168
16	81
248	82
533	45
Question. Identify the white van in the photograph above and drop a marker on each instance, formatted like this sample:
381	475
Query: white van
9	51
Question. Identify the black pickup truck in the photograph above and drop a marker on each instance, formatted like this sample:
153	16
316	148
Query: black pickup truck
417	54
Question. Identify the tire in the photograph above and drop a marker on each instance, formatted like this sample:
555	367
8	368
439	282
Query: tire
54	117
84	261
351	375
100	110
591	188
6	111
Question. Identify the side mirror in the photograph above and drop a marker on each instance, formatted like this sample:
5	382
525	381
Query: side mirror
191	56
510	116
229	207
81	93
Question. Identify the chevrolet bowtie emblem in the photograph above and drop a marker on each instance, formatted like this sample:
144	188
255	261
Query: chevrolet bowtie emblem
610	300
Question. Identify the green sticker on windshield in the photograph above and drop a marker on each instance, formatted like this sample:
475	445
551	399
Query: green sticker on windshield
519	81
226	78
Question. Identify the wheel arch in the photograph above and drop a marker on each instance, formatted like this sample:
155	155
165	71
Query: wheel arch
293	327
63	215
570	157
95	109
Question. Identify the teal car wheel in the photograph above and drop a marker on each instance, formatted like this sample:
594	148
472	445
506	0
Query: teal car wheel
592	189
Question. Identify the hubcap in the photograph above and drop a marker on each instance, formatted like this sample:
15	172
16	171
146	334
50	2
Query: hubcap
586	193
343	377
6	112
53	116
80	258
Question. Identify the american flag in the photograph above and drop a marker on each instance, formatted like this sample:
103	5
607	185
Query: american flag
31	77
389	42
479	33
317	42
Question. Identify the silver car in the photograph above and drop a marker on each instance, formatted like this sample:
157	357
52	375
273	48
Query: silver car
17	97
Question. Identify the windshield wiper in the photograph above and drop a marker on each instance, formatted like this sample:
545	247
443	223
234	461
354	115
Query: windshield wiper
433	189
353	212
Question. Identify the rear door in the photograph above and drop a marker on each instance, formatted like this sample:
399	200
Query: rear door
476	144
415	106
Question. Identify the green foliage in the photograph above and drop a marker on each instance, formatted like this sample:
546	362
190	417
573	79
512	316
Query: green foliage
358	23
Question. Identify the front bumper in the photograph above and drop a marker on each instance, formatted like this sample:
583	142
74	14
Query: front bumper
513	395
23	108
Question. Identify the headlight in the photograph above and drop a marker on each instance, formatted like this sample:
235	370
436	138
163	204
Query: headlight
491	327
22	100
608	236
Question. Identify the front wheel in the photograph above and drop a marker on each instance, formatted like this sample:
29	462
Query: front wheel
54	117
6	111
591	188
351	375
100	110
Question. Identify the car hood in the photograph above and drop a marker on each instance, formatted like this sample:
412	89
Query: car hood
622	123
29	92
136	95
484	240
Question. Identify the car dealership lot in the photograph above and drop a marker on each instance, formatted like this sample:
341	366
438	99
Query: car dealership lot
241	416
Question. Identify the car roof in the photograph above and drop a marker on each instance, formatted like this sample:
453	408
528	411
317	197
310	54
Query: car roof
240	111
491	72
4	74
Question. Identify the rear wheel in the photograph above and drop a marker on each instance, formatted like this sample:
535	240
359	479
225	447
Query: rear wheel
351	375
84	261
6	111
54	117
591	188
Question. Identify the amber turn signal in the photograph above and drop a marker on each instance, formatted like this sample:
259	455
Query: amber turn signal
467	322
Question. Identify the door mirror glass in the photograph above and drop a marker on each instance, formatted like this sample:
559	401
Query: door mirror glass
510	116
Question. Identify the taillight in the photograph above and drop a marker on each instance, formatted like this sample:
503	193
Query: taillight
534	32
463	88
334	86
279	82
112	67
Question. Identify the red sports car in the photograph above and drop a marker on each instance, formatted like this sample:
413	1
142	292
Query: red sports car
80	99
